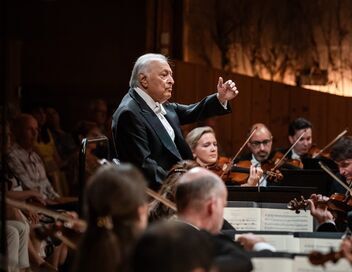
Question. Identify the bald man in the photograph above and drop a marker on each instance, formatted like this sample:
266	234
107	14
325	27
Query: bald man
200	199
259	145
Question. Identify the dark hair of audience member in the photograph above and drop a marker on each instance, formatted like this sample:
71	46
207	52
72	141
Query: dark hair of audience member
82	129
158	210
298	124
342	149
113	198
174	247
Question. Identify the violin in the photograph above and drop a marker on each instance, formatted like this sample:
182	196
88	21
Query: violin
279	159
315	152
240	172
338	204
318	258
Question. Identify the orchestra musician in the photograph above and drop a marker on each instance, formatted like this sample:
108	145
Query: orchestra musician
200	199
204	146
260	146
146	127
341	153
303	146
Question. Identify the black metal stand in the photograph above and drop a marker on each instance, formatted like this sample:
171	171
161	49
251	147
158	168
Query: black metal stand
82	167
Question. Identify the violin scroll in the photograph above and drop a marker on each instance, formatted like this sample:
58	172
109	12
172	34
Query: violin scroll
296	205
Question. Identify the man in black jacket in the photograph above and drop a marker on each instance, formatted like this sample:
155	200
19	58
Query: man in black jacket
146	127
200	199
341	153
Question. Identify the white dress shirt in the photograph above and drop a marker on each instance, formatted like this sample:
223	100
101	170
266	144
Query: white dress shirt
262	182
158	110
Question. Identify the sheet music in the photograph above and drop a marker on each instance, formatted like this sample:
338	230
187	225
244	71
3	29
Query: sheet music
251	219
286	220
323	245
243	218
272	264
281	242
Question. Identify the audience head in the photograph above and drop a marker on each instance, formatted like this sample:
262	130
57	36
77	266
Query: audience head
341	153
116	209
153	74
39	114
157	209
99	111
175	247
200	199
52	118
25	130
203	144
295	130
86	129
261	142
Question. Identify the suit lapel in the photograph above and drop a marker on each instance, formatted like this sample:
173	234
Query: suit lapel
156	124
183	147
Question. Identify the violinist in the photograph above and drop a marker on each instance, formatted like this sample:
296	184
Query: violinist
259	145
204	146
341	153
303	146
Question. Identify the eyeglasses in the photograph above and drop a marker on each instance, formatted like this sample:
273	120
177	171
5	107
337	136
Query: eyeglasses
264	143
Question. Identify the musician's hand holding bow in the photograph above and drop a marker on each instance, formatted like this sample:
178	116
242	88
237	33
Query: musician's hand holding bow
226	91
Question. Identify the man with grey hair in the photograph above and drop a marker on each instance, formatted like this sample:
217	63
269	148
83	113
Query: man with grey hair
146	127
200	199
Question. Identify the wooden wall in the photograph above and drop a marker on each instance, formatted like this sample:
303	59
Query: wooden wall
263	101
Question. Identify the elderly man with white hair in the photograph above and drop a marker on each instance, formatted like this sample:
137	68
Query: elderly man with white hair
146	127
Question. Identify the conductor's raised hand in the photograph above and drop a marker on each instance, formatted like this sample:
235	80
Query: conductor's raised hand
226	90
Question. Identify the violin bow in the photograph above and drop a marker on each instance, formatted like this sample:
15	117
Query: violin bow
238	153
331	143
288	151
162	199
55	215
25	206
328	170
149	192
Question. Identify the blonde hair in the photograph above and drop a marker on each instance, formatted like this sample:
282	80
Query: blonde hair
194	135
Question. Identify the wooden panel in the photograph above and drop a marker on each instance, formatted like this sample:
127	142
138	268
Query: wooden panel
279	114
185	87
223	124
318	113
337	115
349	113
241	116
205	83
261	102
299	103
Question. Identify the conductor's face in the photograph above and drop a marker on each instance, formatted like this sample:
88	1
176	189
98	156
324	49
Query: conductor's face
157	80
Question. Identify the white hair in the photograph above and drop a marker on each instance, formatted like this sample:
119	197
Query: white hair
141	65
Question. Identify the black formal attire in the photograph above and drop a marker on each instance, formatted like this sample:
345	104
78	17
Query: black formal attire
229	255
141	139
249	157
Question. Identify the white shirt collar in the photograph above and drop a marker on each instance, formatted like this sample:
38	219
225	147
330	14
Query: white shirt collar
155	106
295	156
254	161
